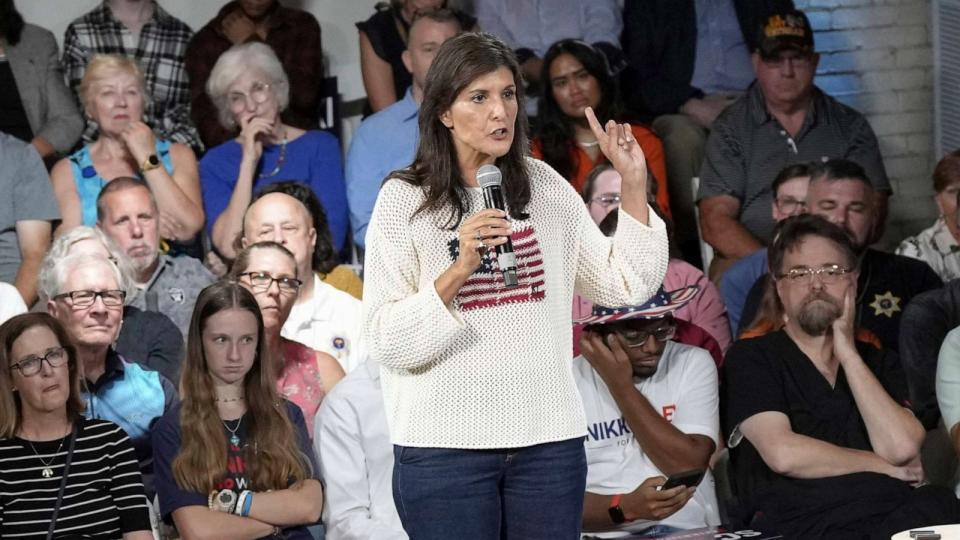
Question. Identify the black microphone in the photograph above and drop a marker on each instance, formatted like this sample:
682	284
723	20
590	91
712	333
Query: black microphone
489	178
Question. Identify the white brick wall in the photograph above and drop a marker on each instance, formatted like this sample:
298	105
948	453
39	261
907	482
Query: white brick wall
876	56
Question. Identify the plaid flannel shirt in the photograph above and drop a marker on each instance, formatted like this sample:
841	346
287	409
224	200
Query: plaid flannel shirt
160	51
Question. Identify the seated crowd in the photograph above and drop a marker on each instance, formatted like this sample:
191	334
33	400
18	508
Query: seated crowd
181	293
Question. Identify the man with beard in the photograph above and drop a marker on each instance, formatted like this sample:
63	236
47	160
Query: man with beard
841	192
821	442
127	214
652	411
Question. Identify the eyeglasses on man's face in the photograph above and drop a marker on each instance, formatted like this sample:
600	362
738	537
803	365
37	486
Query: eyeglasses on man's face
86	297
606	200
789	205
828	274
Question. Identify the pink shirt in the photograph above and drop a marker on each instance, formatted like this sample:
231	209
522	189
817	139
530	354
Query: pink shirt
299	380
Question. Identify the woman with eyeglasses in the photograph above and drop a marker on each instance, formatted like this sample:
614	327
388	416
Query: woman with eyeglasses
304	375
41	428
576	76
234	459
250	89
85	292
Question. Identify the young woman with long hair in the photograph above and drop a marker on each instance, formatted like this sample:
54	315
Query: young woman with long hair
576	76
234	459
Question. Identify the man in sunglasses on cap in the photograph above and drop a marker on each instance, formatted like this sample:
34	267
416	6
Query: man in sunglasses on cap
652	411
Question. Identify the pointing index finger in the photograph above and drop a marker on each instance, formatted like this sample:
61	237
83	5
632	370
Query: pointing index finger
594	124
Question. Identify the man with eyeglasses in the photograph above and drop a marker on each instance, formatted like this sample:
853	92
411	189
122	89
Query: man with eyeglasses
784	118
652	411
822	441
789	199
841	192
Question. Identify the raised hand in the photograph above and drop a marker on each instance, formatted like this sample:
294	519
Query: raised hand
140	141
609	358
621	148
252	131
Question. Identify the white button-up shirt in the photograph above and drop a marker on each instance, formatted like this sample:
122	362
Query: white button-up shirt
328	322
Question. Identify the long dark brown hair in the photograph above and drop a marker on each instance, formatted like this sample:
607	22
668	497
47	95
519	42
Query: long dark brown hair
435	168
272	455
10	406
556	128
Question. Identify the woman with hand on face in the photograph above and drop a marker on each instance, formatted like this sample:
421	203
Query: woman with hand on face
41	428
576	77
250	89
114	96
304	375
469	363
234	459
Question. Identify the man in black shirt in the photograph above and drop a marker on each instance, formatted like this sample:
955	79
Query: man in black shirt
822	443
841	192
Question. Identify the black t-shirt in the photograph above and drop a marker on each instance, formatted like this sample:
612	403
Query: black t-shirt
770	373
886	284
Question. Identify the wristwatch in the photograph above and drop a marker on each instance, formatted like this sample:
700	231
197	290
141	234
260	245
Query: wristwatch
152	162
616	512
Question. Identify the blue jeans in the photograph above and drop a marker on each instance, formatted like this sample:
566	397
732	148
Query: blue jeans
527	493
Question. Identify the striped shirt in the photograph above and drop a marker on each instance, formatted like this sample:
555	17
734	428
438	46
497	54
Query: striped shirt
103	497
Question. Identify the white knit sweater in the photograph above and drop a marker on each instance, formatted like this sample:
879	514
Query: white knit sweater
493	370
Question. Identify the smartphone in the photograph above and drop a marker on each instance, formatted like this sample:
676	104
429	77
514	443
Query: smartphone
686	478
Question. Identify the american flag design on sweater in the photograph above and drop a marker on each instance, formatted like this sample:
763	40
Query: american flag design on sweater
485	287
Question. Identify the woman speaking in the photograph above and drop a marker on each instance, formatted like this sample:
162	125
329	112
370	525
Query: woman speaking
484	414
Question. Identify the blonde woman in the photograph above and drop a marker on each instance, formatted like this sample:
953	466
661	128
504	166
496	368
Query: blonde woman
42	430
113	95
234	459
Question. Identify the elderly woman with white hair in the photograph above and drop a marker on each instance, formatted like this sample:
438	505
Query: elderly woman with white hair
85	292
149	338
250	89
113	95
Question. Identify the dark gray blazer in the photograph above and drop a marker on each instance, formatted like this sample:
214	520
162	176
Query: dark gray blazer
50	106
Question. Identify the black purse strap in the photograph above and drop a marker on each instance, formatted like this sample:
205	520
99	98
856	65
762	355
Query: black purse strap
74	435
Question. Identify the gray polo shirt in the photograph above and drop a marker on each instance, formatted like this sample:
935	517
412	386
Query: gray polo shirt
747	147
173	289
25	195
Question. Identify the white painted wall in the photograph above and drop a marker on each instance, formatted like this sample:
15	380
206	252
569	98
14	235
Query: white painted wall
337	18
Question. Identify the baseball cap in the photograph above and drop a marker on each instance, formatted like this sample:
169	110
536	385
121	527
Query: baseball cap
787	30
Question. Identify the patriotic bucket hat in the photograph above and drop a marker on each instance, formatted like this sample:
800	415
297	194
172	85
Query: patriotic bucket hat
661	304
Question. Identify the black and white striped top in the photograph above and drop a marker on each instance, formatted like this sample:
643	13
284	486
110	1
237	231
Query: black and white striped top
104	493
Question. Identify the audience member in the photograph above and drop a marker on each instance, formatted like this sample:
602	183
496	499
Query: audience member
937	245
219	476
784	118
147	337
113	95
927	320
577	76
11	303
387	140
356	460
324	317
127	213
157	41
85	293
660	398
47	446
948	388
687	61
705	312
27	213
383	39
303	375
822	443
840	192
789	199
250	89
530	27
293	35
265	224
35	104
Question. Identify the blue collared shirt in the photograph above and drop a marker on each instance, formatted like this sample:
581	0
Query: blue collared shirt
736	282
722	61
383	143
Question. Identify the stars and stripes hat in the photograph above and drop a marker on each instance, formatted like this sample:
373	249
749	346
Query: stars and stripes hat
661	304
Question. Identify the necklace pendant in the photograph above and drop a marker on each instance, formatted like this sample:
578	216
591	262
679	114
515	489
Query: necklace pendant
47	472
234	440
